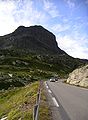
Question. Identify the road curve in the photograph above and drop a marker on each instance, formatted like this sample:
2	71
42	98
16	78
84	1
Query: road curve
72	100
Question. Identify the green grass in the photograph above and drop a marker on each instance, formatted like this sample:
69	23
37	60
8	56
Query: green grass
18	103
44	109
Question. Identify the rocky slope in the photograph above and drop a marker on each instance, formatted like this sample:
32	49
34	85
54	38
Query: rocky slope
31	39
79	77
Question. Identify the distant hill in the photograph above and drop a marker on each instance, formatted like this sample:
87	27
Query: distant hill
33	39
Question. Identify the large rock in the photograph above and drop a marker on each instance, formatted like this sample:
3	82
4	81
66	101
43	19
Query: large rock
79	77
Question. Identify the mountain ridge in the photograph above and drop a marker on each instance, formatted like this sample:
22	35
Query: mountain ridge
34	38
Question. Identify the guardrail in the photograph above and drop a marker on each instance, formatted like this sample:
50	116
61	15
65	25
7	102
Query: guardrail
36	106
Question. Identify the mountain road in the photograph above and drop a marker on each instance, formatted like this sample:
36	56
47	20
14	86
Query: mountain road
68	102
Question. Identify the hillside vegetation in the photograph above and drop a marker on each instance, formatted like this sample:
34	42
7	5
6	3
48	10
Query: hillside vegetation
18	103
26	68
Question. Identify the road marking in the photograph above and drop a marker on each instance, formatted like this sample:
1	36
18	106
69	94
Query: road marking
47	86
45	83
49	91
55	101
3	118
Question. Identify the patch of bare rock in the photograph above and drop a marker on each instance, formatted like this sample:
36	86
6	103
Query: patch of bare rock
79	77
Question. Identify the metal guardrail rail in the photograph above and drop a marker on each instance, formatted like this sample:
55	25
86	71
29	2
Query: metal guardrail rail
36	106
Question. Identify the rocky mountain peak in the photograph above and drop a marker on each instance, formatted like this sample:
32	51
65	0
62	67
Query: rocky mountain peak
34	38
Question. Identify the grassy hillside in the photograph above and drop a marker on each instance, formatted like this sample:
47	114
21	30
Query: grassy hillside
18	103
26	68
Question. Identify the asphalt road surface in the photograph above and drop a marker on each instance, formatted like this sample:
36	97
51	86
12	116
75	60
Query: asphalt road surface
71	102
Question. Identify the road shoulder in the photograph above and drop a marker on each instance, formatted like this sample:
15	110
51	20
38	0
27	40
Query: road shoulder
55	115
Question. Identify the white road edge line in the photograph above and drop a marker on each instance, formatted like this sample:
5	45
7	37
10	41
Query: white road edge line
55	101
49	91
47	87
3	118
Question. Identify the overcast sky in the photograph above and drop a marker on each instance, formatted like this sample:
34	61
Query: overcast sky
67	19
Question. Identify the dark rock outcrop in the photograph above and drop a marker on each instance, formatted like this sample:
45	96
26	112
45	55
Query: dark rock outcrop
33	38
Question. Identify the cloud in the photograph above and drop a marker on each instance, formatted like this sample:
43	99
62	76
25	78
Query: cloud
20	12
60	28
28	14
50	8
74	47
6	19
70	3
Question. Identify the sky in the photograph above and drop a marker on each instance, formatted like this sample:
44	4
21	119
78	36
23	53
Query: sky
67	19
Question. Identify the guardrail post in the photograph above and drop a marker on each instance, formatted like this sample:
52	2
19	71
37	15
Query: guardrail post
35	112
36	107
37	100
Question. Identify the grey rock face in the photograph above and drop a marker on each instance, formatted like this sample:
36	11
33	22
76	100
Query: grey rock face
79	77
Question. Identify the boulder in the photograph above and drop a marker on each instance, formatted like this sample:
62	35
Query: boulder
79	77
